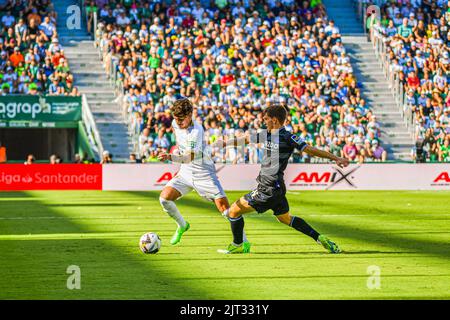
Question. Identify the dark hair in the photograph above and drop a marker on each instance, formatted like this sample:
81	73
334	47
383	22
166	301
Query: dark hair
182	107
278	111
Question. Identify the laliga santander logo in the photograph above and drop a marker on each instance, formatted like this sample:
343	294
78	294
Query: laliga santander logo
329	179
27	179
10	179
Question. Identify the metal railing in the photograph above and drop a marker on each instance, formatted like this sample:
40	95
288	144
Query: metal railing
381	51
91	127
111	62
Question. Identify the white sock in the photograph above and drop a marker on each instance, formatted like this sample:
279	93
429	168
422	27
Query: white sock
244	236
171	208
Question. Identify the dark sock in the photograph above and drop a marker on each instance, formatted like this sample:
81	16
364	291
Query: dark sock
237	228
301	225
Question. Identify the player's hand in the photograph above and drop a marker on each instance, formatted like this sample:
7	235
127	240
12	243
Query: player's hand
163	156
342	162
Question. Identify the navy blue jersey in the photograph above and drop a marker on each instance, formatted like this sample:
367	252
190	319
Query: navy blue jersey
278	148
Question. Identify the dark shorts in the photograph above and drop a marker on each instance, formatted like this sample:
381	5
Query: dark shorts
262	200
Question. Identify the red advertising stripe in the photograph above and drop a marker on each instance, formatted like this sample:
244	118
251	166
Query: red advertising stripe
50	177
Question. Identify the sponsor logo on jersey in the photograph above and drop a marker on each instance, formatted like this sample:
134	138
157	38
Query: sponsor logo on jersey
296	139
271	146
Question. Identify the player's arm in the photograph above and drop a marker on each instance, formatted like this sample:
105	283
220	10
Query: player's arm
193	151
301	145
177	158
239	139
312	151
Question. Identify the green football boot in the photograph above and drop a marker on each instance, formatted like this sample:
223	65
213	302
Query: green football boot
177	235
232	249
328	244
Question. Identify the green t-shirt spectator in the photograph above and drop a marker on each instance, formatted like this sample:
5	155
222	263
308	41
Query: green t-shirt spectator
404	31
315	3
335	149
221	3
199	78
20	70
154	62
256	80
127	3
371	21
145	12
160	51
63	69
445	152
91	9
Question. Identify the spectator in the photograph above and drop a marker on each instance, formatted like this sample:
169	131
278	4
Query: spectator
53	159
350	151
106	157
419	50
30	52
30	159
231	61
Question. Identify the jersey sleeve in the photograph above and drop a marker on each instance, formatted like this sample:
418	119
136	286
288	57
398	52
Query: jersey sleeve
296	142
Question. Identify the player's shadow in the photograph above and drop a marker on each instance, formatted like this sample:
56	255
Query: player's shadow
128	273
369	236
358	252
90	204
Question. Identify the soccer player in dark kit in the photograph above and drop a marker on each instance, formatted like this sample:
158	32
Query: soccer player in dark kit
271	190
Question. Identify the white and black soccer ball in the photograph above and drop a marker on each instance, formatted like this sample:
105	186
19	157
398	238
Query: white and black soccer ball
150	242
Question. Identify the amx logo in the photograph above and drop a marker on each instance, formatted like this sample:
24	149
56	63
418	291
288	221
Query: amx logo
326	178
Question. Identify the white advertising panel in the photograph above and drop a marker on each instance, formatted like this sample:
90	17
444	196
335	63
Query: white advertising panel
297	176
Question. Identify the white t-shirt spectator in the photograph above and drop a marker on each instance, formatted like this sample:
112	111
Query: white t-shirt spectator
331	29
236	10
185	10
197	13
435	42
48	28
440	81
122	20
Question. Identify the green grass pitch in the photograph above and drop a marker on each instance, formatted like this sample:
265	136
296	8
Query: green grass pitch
405	234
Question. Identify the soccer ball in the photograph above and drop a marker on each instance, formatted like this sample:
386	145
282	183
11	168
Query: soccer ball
150	243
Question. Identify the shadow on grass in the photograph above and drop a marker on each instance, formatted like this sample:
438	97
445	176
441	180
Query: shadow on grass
91	204
36	269
397	241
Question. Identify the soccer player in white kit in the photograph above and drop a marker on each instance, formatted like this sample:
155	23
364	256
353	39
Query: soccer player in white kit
197	170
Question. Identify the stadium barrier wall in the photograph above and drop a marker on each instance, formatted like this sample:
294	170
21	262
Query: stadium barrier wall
297	176
145	177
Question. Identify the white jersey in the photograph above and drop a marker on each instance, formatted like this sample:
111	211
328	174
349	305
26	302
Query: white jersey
192	140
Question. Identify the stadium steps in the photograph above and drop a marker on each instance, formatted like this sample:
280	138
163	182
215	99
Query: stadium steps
395	137
91	79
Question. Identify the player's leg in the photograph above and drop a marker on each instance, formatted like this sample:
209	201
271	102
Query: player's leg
281	211
175	189
211	189
236	219
223	206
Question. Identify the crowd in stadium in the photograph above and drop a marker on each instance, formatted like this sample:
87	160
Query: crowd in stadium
32	60
233	58
417	34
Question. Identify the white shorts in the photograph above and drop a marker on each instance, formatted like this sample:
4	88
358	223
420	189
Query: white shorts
208	188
